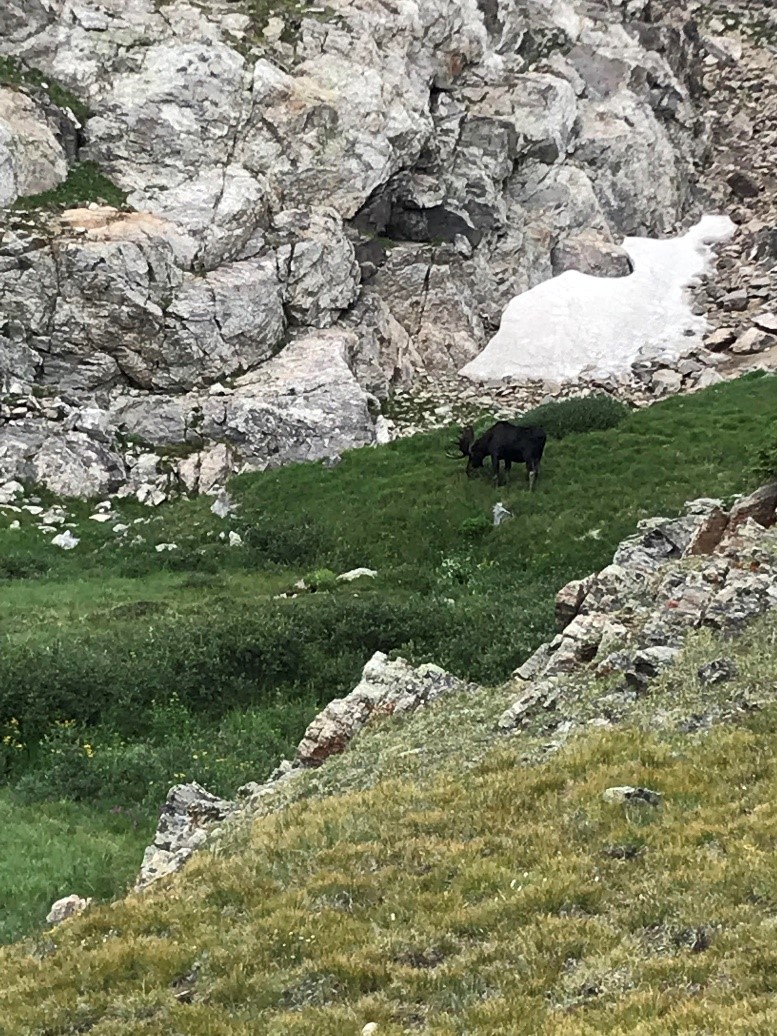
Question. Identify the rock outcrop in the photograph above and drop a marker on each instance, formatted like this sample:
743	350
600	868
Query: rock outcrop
183	825
709	568
619	629
394	179
387	688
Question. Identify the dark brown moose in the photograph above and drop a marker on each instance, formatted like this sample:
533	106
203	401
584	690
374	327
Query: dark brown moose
503	442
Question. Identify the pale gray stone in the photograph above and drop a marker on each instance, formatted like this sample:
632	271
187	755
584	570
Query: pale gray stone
32	160
69	906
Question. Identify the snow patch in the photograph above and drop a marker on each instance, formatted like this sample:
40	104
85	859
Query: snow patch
576	324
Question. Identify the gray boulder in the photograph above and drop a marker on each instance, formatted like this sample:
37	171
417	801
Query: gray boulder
32	160
386	688
184	822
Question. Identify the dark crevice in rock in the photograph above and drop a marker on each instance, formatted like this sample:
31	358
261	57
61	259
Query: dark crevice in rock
490	11
392	214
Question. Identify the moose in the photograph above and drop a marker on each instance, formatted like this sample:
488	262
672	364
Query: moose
503	442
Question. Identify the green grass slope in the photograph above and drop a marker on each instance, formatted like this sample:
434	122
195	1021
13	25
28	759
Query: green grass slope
50	849
510	899
123	670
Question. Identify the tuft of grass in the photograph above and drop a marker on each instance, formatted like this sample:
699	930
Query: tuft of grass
85	183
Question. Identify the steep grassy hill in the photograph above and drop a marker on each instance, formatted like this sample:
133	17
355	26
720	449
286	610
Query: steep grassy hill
463	892
125	669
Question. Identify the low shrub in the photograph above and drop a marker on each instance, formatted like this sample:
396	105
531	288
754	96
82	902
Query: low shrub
586	414
476	527
22	565
218	657
762	464
298	541
93	764
321	579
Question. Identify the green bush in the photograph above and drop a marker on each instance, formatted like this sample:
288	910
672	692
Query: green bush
763	461
218	659
62	767
80	764
587	414
84	184
476	527
22	565
321	579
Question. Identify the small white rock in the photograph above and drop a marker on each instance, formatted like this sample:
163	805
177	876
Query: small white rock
356	573
165	546
235	539
66	540
625	793
223	505
67	907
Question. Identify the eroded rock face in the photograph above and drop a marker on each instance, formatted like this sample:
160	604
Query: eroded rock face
401	178
69	463
304	404
111	301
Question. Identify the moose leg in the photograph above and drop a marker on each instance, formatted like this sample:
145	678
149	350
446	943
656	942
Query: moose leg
495	467
534	470
508	465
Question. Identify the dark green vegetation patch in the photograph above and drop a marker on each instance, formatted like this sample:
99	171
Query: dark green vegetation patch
85	183
15	73
587	414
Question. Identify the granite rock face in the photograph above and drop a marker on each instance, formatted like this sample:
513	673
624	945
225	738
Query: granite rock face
397	180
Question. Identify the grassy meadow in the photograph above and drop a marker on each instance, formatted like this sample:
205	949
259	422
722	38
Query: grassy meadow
124	669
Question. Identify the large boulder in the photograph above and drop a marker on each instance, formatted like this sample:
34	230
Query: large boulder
32	159
304	404
110	299
68	463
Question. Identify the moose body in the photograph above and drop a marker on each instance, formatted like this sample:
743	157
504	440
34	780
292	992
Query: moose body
504	443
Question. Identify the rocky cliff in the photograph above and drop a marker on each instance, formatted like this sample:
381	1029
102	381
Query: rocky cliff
321	202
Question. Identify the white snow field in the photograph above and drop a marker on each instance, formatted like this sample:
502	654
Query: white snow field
577	324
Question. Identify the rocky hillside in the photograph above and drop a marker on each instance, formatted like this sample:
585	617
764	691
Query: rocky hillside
601	821
311	206
712	568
